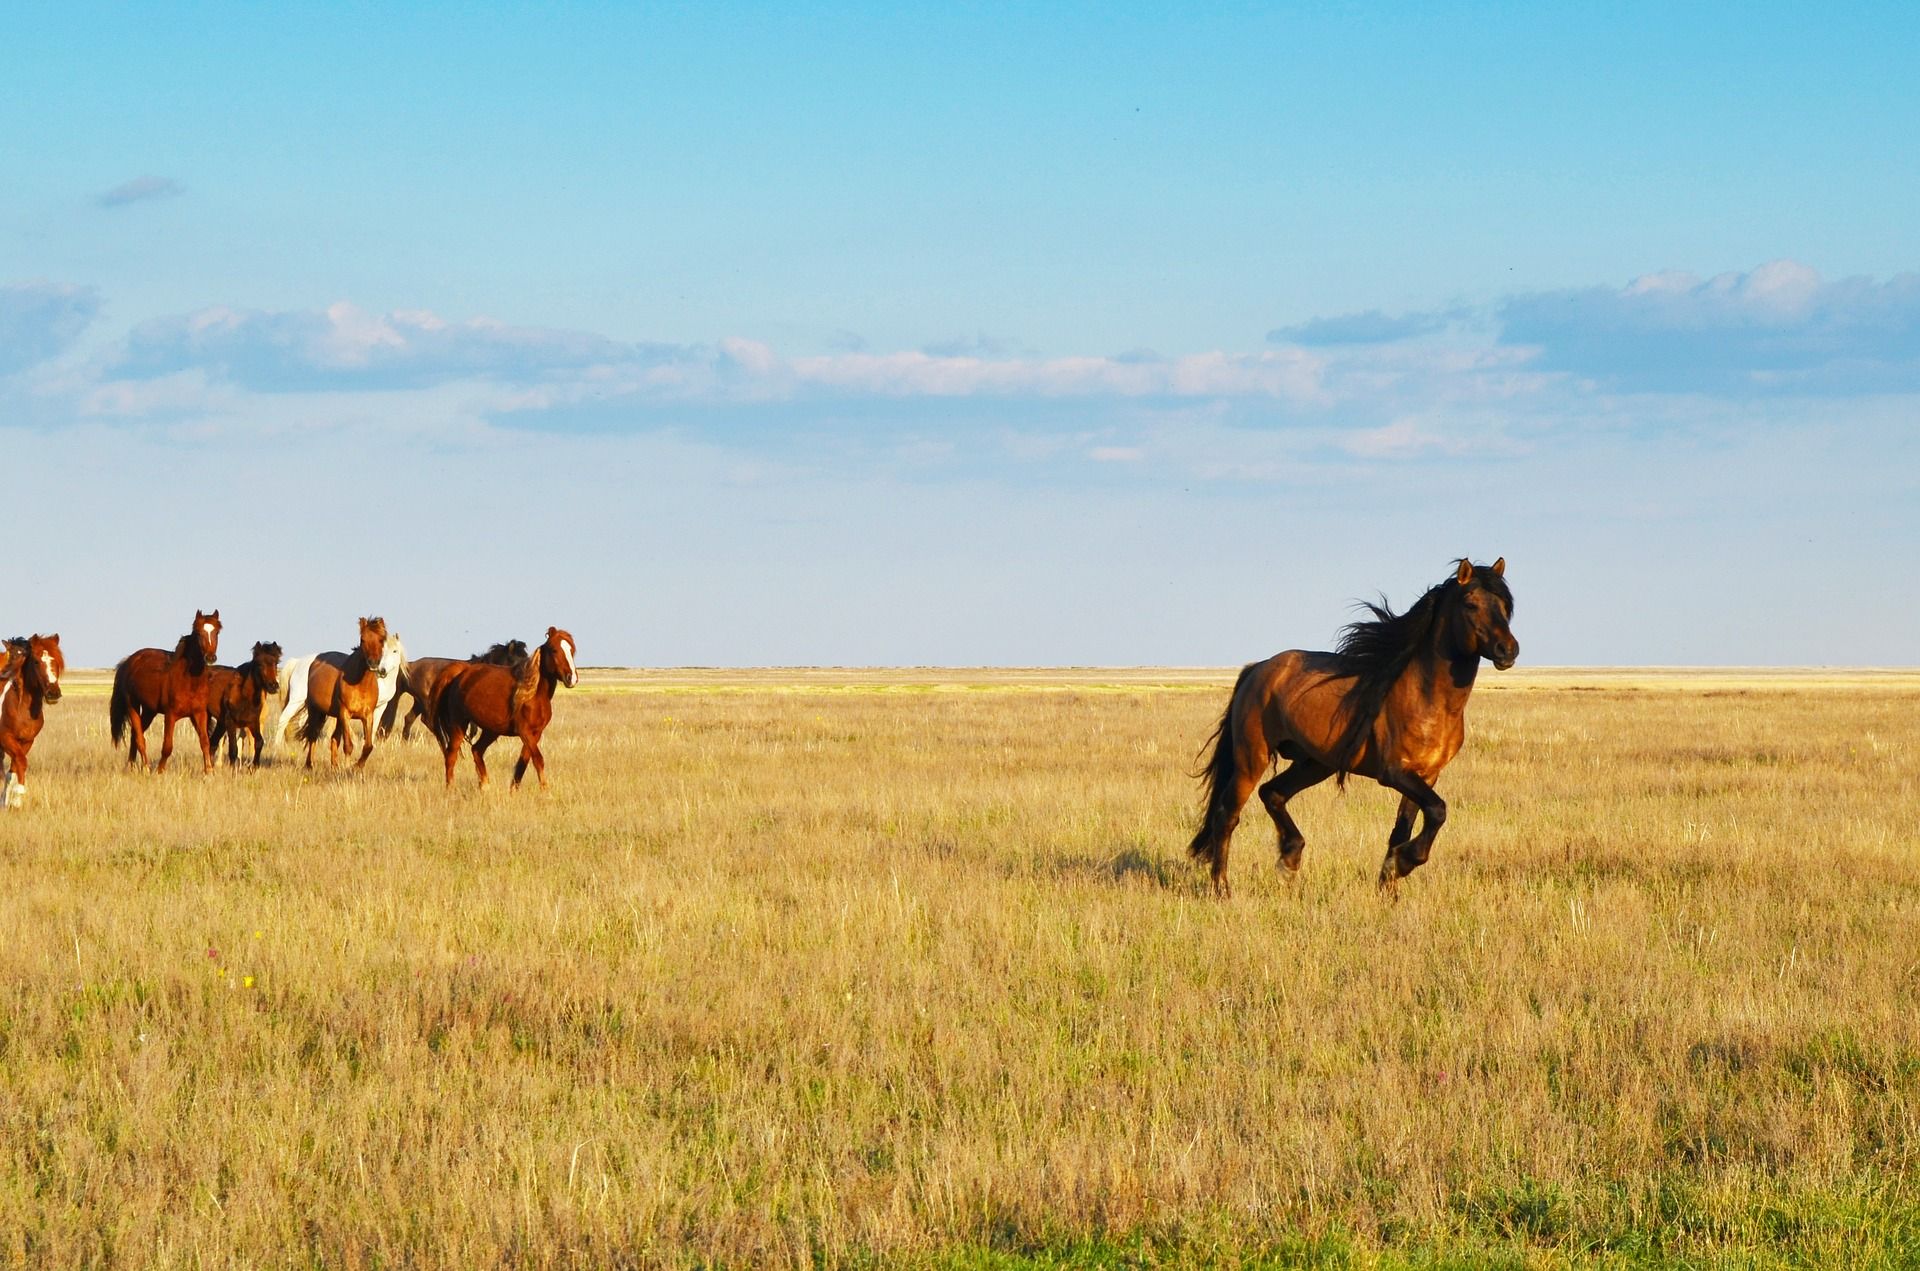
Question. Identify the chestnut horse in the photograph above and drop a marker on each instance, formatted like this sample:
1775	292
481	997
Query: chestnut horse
345	687
1388	704
235	696
294	672
422	679
31	680
154	682
498	701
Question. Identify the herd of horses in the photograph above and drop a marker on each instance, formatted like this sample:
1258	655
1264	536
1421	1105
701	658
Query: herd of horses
506	691
1388	703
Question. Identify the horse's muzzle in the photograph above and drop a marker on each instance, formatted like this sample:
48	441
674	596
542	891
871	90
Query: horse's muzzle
53	692
1505	658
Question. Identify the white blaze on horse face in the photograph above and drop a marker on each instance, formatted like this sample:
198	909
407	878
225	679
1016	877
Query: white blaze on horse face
573	676
53	677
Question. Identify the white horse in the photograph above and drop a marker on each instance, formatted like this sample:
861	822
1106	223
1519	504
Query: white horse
293	673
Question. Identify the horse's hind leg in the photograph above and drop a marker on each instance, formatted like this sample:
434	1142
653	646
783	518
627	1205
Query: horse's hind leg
480	745
1299	775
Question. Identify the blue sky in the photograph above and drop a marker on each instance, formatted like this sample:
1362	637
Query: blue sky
723	334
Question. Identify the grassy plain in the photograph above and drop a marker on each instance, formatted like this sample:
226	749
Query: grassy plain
908	968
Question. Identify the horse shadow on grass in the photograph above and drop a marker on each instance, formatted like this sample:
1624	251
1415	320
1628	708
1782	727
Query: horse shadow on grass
1129	864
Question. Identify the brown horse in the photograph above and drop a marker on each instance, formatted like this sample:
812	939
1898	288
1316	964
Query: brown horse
235	696
498	701
423	678
344	687
1388	704
153	682
31	680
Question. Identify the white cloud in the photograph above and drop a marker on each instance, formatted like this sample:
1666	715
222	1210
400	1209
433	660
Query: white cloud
344	346
39	320
1777	328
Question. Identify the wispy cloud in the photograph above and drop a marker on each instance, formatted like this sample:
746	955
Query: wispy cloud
40	319
1780	328
1371	327
346	347
141	189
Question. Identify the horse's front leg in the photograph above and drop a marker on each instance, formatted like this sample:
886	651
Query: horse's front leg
366	741
530	751
199	721
258	742
16	763
1405	855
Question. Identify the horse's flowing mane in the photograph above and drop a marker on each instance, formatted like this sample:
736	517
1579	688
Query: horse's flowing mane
526	677
1376	651
188	647
505	653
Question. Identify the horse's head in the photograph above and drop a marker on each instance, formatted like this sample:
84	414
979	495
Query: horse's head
206	629
373	644
44	665
395	657
1482	612
18	648
266	665
558	654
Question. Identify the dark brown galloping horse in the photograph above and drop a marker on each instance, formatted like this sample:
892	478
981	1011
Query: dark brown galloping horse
235	696
343	687
154	682
422	679
1389	704
498	701
32	679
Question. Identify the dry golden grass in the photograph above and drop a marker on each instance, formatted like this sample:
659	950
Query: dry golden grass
819	967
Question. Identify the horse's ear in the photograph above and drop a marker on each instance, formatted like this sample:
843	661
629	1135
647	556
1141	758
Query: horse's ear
1465	573
215	615
552	632
1500	567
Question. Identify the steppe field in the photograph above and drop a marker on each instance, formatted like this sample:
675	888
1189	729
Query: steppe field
908	968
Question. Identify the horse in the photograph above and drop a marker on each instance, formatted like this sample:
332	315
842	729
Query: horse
422	679
1389	703
235	696
345	687
31	680
153	682
499	701
294	673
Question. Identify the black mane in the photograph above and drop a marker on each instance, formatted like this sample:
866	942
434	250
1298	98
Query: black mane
506	653
1375	651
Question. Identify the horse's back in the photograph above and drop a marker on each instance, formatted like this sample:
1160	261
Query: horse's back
142	675
1293	699
324	673
478	693
222	685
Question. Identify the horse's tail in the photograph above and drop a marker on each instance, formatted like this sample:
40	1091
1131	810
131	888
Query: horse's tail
117	707
294	675
1217	779
314	724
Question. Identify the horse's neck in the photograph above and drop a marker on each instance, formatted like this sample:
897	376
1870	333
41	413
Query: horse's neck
188	651
1445	675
